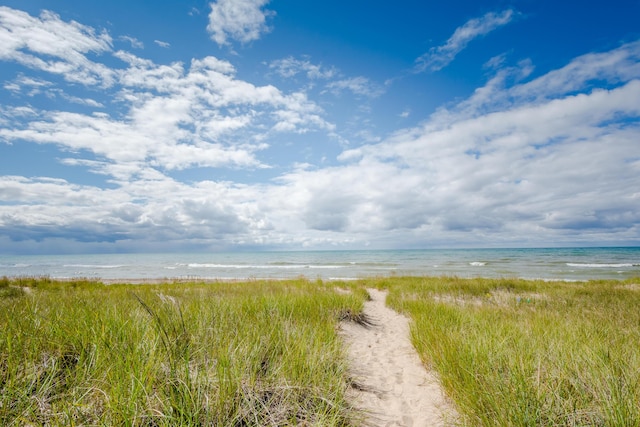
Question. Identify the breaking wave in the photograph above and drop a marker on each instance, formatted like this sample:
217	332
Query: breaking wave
594	265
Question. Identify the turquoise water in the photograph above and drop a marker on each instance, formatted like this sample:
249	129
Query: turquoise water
556	263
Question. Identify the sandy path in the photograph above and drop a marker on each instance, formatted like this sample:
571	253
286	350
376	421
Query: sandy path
394	388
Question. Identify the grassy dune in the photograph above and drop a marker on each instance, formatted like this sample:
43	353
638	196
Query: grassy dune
529	353
509	352
257	353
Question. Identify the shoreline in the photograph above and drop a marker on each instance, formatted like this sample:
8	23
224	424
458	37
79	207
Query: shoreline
249	279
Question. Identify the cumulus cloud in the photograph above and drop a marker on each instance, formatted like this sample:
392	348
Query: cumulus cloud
169	117
175	116
139	210
239	20
522	161
49	44
439	57
554	163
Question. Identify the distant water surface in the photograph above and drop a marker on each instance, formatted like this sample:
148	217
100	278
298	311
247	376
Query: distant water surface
556	263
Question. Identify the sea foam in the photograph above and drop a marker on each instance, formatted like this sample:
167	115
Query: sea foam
593	265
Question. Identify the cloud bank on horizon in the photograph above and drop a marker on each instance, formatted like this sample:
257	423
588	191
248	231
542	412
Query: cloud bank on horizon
243	126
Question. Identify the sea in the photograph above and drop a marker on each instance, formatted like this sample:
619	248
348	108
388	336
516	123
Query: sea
565	264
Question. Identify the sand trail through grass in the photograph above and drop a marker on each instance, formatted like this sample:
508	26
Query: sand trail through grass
390	385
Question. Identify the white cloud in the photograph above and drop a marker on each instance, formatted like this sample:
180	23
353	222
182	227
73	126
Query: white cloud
357	85
135	43
52	45
162	44
82	101
507	88
173	117
138	210
522	160
240	20
336	82
559	167
439	57
496	62
618	65
289	67
30	86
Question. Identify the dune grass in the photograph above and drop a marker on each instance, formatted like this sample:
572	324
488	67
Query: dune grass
529	353
189	354
508	352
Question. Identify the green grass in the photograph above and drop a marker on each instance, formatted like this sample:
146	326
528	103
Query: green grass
508	352
257	353
529	353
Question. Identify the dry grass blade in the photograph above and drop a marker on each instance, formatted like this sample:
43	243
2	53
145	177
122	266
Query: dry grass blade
360	318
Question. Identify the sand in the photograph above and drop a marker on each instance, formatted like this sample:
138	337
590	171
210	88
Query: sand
392	387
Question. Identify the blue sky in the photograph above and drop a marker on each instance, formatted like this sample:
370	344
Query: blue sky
253	124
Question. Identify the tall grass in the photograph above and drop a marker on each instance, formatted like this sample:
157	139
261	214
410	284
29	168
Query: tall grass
508	352
529	353
236	354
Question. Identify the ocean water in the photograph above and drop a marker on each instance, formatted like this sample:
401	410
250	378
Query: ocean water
551	264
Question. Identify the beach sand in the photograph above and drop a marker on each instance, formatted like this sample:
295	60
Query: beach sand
391	386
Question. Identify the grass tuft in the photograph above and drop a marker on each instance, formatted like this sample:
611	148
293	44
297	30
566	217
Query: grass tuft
359	318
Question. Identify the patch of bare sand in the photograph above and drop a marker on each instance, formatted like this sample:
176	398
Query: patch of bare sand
391	386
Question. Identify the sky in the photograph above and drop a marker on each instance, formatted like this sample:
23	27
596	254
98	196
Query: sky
172	126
